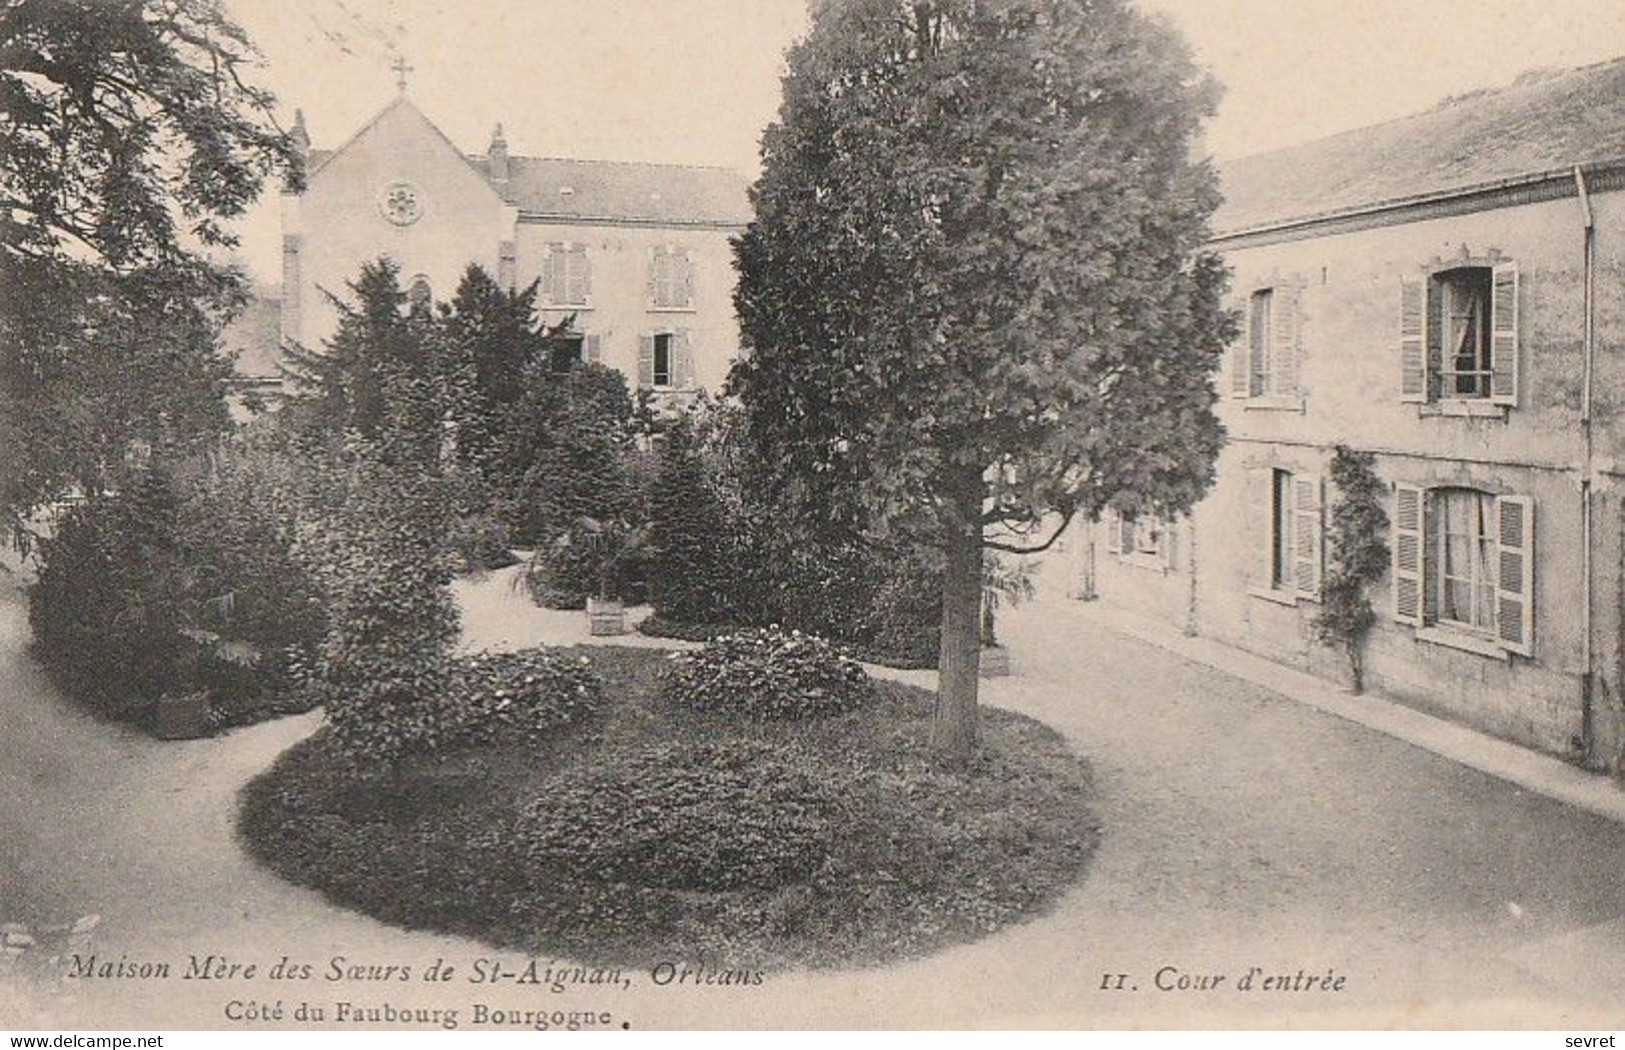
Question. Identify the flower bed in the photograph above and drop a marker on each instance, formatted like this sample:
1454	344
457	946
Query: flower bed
656	830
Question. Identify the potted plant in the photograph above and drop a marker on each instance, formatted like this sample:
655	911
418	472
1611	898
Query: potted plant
1007	582
608	544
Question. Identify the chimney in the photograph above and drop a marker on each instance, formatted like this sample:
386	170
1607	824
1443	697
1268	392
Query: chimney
301	145
497	155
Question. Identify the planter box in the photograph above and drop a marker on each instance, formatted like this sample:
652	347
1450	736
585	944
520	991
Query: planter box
183	717
605	619
995	661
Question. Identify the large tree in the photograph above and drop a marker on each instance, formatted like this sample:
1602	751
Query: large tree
974	293
130	135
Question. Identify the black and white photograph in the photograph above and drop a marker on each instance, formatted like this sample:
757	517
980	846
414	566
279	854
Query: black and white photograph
583	515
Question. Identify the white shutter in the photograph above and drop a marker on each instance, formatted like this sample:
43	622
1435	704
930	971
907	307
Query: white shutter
580	275
592	351
1285	338
1515	573
1409	537
1308	530
1261	523
657	276
1114	531
686	273
682	364
1504	335
549	290
1239	374
646	362
1413	326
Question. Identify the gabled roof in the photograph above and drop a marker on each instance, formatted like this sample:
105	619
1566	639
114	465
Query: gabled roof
1545	121
655	194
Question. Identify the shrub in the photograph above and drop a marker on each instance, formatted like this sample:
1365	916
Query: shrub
384	662
766	673
691	534
480	541
517	696
709	816
185	581
108	607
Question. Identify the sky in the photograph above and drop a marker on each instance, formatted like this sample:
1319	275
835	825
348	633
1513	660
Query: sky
695	81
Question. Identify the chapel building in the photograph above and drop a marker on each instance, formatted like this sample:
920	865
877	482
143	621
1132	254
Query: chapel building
639	254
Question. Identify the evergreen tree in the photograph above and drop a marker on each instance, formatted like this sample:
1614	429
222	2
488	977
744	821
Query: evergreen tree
383	377
127	130
691	536
974	293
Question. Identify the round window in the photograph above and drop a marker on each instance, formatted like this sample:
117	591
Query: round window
400	203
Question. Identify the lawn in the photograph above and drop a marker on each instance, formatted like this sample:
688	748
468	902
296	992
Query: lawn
651	831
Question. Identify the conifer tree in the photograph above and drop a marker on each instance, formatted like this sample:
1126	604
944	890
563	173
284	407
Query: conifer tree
974	293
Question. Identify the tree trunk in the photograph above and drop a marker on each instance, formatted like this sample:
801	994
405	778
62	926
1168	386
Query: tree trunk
953	718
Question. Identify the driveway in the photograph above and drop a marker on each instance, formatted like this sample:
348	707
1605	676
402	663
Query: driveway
1241	830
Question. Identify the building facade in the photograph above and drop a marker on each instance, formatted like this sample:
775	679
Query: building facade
1446	292
638	254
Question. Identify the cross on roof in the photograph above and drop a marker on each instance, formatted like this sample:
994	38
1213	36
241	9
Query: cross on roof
401	69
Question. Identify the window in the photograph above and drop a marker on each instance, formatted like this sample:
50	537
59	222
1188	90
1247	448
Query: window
566	275
671	278
662	360
1258	343
564	352
1466	595
1463	563
1458	332
1285	523
1462	299
1143	539
1266	362
666	361
1281	530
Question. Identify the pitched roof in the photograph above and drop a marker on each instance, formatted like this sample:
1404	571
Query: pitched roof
659	194
1545	121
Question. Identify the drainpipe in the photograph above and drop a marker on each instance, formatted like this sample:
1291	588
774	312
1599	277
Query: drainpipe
1588	354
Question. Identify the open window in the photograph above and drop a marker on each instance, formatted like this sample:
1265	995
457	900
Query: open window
1459	335
1286	528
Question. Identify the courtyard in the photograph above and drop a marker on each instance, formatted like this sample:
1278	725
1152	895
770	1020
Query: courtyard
1240	832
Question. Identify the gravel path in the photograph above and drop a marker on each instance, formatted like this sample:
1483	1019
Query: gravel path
1240	830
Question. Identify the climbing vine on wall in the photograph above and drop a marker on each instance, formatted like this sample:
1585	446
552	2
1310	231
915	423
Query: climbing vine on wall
1357	557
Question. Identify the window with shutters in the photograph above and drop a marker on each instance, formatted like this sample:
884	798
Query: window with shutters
1287	526
566	275
671	278
1266	364
666	361
1459	338
1463	571
1144	540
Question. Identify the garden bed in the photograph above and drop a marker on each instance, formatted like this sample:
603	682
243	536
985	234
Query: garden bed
657	831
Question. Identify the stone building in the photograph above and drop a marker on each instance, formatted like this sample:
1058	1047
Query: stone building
1446	291
639	254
